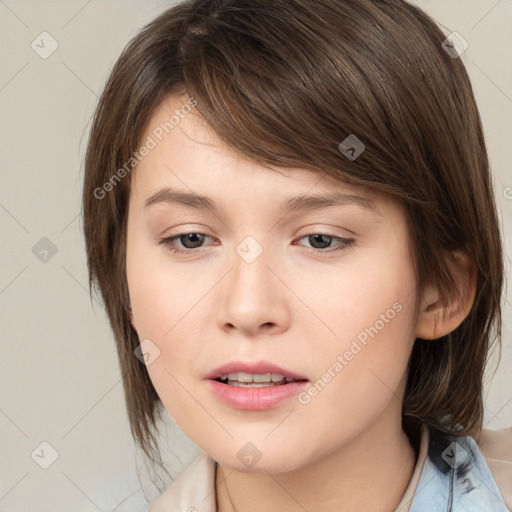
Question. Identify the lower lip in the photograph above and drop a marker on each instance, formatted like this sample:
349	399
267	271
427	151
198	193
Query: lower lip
255	399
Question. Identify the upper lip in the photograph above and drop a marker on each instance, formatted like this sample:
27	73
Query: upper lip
260	367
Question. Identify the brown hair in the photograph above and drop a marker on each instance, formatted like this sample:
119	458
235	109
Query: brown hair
284	83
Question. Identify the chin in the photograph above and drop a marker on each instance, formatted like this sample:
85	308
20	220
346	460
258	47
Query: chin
247	457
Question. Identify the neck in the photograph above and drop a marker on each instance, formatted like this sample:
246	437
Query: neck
369	473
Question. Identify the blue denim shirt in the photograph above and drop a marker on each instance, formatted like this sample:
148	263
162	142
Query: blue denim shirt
456	478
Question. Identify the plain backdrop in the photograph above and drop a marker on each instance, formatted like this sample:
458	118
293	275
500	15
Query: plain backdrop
60	379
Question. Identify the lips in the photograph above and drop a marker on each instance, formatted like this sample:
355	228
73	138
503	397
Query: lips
261	367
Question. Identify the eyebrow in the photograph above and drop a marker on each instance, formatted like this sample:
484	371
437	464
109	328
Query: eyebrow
298	203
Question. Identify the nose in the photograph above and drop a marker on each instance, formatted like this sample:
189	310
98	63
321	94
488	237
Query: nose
253	299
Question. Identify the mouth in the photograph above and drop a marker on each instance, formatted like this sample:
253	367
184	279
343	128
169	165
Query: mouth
254	386
251	374
256	380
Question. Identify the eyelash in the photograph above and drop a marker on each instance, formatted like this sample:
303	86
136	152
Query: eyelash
344	243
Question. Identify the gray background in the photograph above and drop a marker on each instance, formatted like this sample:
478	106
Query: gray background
60	380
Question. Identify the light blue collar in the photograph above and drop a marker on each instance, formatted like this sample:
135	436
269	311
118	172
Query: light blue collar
456	478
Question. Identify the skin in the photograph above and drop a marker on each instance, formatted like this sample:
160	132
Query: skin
293	306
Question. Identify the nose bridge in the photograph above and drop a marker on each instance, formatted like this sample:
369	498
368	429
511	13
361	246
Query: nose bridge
251	296
250	276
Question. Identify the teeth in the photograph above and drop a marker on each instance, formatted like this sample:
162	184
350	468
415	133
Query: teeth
251	384
255	377
267	377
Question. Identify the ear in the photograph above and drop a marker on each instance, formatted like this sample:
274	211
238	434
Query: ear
435	319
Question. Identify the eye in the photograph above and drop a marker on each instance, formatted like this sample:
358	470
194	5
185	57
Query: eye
189	241
321	241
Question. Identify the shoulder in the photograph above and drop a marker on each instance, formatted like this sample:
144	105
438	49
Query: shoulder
464	474
496	448
192	491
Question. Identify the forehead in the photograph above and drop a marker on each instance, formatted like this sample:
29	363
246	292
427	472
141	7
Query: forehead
187	155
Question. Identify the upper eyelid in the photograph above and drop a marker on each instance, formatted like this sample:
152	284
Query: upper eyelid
309	233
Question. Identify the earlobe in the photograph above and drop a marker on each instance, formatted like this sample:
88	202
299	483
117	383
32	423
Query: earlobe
435	320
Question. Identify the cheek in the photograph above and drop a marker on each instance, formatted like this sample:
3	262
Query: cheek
361	299
168	311
165	317
169	315
159	294
367	333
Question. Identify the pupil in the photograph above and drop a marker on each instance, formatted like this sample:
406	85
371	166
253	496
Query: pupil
189	238
325	239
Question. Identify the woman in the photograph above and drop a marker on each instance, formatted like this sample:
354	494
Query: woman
289	215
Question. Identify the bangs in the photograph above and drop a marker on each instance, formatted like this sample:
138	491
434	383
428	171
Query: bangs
287	97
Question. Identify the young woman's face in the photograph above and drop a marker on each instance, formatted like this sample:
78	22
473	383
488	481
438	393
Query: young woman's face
325	292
